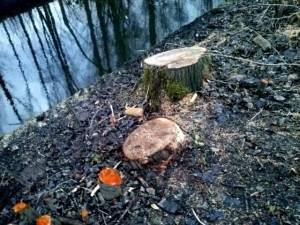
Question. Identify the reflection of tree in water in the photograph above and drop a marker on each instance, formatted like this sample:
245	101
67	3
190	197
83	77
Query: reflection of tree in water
111	12
28	92
208	4
180	16
152	22
163	14
50	23
35	59
67	24
93	37
102	17
10	98
49	67
117	13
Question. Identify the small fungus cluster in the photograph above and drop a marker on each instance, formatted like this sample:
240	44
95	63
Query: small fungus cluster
44	220
110	176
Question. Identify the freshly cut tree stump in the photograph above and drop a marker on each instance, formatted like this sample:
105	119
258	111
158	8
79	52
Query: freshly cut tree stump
177	72
154	141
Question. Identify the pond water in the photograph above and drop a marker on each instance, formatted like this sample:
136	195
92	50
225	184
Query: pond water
51	51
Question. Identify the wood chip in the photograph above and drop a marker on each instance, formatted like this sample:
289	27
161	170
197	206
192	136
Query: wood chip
134	111
194	98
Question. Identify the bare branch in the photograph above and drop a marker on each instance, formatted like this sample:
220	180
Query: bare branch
251	61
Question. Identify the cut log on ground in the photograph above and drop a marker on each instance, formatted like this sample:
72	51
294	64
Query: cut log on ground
176	73
154	141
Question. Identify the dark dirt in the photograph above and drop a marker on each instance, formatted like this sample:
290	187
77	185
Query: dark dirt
242	168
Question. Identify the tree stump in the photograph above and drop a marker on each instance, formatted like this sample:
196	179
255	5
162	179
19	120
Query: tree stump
154	141
176	73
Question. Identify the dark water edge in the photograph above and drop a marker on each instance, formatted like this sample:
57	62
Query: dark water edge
13	7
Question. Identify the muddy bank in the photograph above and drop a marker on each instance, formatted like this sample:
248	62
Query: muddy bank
242	167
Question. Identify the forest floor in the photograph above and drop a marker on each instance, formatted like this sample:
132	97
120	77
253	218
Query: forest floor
243	166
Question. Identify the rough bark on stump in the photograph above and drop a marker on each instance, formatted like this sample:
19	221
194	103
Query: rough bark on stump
177	72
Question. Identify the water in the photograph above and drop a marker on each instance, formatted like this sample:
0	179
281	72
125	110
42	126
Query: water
50	52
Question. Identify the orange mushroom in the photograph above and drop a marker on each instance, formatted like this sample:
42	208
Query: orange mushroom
20	207
44	220
26	211
84	213
85	216
110	177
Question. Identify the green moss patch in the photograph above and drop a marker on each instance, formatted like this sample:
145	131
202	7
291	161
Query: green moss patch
175	91
154	80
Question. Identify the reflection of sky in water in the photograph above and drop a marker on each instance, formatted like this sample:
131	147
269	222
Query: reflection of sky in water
54	51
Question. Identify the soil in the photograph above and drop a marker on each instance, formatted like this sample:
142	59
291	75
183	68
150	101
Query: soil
242	165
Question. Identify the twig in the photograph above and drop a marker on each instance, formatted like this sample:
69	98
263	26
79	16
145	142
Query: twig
243	144
143	181
197	218
284	17
3	176
102	212
246	201
112	110
104	220
123	214
259	112
95	190
115	167
121	118
233	186
92	120
264	12
74	114
132	90
220	81
146	97
41	154
147	92
251	61
286	5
